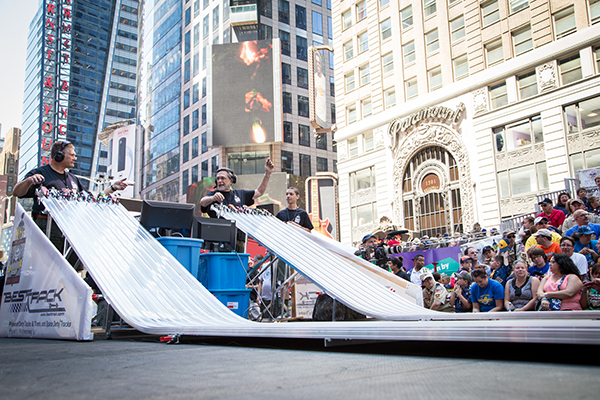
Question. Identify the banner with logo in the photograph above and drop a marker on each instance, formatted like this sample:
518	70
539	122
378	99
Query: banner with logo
443	260
43	298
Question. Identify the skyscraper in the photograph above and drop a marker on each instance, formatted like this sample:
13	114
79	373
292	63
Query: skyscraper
80	77
177	42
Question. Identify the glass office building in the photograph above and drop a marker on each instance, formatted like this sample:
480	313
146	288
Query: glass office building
77	52
174	75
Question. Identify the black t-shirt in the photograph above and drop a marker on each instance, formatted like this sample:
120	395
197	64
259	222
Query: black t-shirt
236	197
298	215
52	179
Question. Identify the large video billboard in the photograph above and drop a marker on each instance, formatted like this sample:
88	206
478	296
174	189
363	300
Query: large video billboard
244	93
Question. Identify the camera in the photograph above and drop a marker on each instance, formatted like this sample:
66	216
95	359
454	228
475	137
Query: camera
380	254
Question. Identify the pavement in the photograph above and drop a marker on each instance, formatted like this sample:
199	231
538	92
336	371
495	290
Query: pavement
141	367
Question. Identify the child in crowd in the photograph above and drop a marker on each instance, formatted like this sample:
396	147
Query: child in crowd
590	297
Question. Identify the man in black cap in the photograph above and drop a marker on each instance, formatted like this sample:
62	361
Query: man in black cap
367	248
555	217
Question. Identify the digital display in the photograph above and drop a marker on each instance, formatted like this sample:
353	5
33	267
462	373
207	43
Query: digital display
245	94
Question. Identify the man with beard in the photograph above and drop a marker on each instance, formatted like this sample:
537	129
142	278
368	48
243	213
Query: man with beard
224	194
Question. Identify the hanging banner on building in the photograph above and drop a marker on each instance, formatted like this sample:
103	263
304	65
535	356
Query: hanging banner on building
43	296
443	260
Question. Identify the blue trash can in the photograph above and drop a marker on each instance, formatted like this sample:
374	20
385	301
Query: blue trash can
237	301
185	250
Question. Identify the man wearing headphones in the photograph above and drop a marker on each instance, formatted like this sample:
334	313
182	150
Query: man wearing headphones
238	197
55	175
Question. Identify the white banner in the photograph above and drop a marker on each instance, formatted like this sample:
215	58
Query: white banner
44	298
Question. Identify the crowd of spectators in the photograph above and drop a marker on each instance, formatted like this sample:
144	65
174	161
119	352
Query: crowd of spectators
551	263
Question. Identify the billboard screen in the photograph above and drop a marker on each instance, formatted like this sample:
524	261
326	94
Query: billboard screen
245	93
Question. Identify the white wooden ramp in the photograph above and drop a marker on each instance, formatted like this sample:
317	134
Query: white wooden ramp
155	294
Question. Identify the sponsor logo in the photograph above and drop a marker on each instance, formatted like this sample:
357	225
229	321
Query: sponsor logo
34	301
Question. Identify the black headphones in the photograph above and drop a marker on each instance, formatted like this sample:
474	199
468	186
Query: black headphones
230	174
59	155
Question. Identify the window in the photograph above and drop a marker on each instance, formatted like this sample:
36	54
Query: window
564	22
284	37
407	17
205	27
353	147
583	115
194	174
185	180
435	78
386	29
195	120
204	143
348	50
347	19
203	114
303	135
287	131
284	11
457	28
196	34
303	109
188	42
522	40
595	11
214	164
366	108
188	16
203	87
597	53
351	114
317	23
518	134
408	51
333	119
301	48
490	13
305	169
321	164
429	7
195	147
186	99
204	169
433	42
461	67
216	16
186	71
225	11
363	42
494	53
383	3
196	63
570	69
321	141
411	88
365	75
265	9
330	28
300	17
387	62
186	152
287	102
287	162
368	142
527	85
518	5
349	81
389	97
332	86
286	73
265	32
186	125
302	76
498	95
361	10
363	179
522	180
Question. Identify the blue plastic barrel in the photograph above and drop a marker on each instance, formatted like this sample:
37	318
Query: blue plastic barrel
223	271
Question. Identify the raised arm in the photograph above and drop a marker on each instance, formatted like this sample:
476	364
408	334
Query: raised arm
262	188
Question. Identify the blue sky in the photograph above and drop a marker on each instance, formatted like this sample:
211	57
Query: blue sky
15	16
